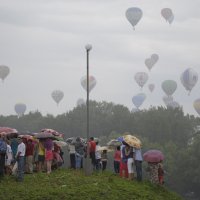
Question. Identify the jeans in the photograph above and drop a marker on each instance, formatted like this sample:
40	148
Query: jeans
20	162
73	160
78	161
138	165
2	164
98	164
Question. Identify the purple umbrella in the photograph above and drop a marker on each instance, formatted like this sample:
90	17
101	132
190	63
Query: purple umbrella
153	156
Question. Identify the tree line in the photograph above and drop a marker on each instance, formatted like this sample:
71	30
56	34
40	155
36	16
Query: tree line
169	130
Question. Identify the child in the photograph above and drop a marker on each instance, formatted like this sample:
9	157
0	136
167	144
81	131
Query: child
160	174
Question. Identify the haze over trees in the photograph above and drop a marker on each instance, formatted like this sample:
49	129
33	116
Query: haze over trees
169	130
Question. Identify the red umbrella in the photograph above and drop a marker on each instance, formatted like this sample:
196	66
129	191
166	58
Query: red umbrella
7	130
153	156
53	132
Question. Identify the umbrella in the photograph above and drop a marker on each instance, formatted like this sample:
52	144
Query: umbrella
60	143
105	148
53	132
153	156
27	137
72	140
44	135
7	130
132	141
114	143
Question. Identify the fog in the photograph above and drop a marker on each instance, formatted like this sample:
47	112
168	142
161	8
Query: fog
43	44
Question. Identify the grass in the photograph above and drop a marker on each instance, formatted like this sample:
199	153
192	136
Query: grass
74	185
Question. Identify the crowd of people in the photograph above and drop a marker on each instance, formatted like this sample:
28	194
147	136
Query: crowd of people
127	160
20	155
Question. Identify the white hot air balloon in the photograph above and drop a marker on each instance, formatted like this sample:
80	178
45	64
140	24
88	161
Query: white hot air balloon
167	14
151	87
171	19
4	71
134	15
189	79
80	102
167	100
141	78
57	96
92	82
20	109
150	62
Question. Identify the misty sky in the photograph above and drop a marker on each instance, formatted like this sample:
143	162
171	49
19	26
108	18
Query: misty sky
43	43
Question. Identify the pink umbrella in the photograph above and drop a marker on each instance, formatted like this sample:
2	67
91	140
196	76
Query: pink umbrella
153	156
7	130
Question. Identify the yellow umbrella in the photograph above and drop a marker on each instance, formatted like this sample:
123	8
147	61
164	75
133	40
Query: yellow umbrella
132	141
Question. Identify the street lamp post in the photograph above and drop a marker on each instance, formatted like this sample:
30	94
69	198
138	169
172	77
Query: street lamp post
88	47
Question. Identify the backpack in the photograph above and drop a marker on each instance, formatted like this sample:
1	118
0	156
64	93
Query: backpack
3	147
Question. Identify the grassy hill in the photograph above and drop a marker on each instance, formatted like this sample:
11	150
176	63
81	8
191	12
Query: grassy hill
69	184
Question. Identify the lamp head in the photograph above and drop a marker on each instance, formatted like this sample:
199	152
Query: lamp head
88	47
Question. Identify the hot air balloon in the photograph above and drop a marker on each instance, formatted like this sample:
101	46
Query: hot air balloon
189	79
151	87
196	105
141	78
167	99
4	71
134	110
173	104
80	102
57	96
134	15
169	87
167	14
150	62
138	99
92	82
20	109
171	19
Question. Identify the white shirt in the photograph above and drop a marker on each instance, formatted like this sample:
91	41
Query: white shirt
98	152
22	149
138	155
71	149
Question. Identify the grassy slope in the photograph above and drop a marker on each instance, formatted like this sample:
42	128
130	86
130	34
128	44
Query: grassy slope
67	184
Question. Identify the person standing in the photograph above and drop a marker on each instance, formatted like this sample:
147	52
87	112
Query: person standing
21	150
48	145
153	172
29	156
79	149
160	173
41	155
117	159
123	169
92	149
3	149
98	156
138	163
9	158
128	151
14	145
72	156
104	159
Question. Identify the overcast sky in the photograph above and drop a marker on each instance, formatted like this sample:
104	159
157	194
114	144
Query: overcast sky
43	44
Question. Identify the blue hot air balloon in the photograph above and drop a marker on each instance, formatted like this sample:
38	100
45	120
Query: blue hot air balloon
138	99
